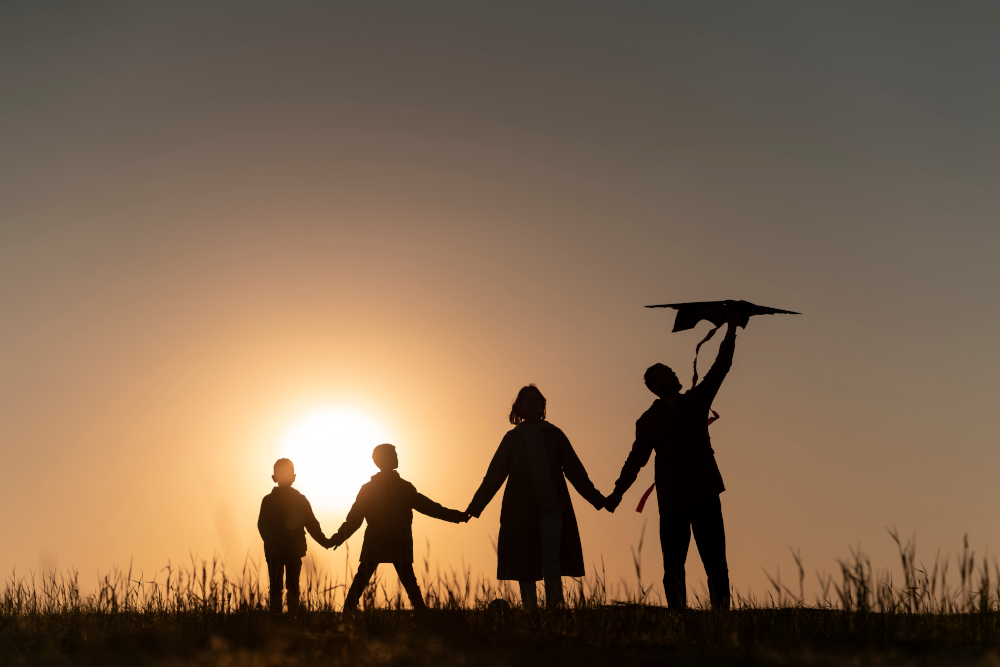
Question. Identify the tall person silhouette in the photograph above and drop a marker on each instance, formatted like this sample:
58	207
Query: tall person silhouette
387	503
688	481
539	538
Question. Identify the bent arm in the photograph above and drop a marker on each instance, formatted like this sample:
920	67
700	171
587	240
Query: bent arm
577	474
425	505
494	479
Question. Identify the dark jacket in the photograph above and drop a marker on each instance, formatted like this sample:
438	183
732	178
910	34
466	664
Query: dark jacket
518	546
387	503
285	515
685	465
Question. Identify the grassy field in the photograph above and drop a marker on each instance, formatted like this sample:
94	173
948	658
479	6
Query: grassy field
198	615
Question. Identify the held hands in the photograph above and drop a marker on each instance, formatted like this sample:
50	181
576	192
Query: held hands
333	541
612	502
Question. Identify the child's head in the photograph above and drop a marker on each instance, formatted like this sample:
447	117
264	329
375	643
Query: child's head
385	457
284	472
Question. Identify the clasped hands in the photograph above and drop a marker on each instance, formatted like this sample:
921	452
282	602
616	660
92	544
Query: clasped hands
611	502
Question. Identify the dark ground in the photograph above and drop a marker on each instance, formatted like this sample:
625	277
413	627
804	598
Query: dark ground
593	636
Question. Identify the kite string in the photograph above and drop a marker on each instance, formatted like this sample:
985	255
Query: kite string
697	349
645	496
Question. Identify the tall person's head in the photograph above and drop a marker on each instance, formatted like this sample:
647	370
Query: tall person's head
385	457
528	406
662	381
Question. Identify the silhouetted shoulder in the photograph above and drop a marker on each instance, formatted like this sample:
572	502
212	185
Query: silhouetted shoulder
652	418
512	434
553	431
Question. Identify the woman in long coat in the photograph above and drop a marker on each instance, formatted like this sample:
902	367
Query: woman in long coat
539	537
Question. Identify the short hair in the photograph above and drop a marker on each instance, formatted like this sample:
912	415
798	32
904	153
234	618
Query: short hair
650	377
515	416
284	465
380	453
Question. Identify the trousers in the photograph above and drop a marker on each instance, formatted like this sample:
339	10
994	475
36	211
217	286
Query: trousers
704	518
550	525
283	572
365	571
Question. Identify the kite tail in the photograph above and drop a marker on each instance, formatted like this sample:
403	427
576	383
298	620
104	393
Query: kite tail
697	350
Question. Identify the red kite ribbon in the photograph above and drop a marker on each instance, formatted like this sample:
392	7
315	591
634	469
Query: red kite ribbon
645	496
698	349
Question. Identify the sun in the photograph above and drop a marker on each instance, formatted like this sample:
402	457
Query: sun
331	448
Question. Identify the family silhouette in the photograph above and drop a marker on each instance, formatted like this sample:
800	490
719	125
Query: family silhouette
539	538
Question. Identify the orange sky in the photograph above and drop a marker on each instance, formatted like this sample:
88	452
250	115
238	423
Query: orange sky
212	223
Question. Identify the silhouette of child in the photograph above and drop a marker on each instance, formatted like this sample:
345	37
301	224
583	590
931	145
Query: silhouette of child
284	513
387	503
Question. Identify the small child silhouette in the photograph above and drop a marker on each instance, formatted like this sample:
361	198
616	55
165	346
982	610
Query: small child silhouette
387	503
284	513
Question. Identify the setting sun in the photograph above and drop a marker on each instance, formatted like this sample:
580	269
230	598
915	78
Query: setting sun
331	448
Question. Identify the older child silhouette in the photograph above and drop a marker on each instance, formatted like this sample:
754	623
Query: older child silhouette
387	503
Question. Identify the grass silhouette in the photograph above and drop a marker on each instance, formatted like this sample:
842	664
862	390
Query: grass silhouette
198	613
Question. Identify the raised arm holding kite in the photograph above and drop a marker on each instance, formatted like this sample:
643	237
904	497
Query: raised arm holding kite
687	477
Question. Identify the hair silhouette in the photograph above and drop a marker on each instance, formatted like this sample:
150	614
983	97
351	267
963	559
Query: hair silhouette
515	409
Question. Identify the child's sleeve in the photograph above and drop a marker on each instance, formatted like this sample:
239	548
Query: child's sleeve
425	505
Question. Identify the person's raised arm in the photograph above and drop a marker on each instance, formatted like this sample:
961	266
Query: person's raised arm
494	479
709	387
577	474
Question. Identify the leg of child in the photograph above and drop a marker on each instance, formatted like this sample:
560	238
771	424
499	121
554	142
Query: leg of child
551	538
409	581
361	579
293	567
275	575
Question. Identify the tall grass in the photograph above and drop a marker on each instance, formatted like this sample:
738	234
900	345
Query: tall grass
210	586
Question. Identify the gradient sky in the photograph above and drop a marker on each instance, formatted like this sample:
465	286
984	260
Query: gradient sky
216	220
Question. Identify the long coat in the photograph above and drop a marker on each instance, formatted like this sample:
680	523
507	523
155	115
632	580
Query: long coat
519	544
387	503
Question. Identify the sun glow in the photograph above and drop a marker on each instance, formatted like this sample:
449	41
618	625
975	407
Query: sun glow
331	448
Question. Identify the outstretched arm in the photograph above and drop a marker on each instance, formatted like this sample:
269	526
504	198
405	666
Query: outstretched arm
642	448
577	474
312	525
425	505
495	477
351	524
